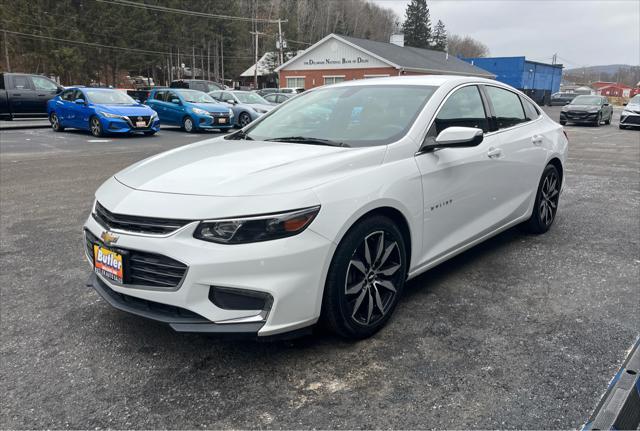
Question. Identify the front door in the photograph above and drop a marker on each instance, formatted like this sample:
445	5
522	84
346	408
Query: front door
458	183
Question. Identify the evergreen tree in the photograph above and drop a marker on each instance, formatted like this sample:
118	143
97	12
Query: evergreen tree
439	41
417	25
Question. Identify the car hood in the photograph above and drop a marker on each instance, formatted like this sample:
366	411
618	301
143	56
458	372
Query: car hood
582	107
127	110
632	107
261	106
219	167
210	107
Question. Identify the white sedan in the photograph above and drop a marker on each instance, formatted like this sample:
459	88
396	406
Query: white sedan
322	209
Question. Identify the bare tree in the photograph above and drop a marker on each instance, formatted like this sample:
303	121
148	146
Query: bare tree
466	46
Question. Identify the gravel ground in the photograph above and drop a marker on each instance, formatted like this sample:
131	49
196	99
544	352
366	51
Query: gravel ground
519	332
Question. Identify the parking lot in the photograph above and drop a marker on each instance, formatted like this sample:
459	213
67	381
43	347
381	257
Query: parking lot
519	332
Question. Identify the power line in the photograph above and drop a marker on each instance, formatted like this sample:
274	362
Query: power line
187	12
100	45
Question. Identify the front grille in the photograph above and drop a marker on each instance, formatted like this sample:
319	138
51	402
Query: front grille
135	118
144	269
632	119
136	224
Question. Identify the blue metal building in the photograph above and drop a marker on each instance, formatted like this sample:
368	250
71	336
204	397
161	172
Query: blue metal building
537	80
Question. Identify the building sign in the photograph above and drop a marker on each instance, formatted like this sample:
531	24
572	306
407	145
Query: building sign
336	62
334	54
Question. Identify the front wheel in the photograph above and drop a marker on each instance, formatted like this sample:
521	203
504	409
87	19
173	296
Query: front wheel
598	120
150	133
187	125
546	204
55	122
96	127
609	119
244	119
365	279
563	123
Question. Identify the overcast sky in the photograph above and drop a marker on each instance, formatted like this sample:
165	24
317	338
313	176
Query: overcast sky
582	32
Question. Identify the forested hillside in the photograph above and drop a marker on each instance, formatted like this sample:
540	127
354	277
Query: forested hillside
84	41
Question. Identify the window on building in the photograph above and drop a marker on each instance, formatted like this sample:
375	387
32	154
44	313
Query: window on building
295	81
333	79
463	108
506	107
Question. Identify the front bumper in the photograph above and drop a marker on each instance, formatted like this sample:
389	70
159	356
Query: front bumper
630	119
213	122
586	117
291	271
119	125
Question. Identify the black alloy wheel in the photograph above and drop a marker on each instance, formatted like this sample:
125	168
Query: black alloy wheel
244	119
546	204
365	279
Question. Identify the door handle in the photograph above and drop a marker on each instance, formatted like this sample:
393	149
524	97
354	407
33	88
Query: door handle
536	140
494	153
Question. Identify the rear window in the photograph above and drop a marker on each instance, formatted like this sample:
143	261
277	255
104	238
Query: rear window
530	110
507	107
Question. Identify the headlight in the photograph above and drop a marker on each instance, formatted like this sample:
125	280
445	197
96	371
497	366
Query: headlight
254	229
564	109
154	115
109	115
593	111
230	112
200	111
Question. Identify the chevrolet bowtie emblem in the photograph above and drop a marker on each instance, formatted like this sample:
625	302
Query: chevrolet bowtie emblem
109	238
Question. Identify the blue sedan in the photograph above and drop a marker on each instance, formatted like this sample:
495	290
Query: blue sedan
100	111
193	110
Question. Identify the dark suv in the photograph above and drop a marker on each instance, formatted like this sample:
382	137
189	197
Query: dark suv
197	84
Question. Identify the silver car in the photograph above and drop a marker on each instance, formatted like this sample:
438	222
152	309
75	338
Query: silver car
246	105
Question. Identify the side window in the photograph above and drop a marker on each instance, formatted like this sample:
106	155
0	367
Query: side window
67	95
43	84
217	95
160	95
227	96
198	86
78	95
171	95
506	107
463	108
21	83
530	110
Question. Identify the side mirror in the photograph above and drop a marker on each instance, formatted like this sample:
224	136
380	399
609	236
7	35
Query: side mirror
454	137
624	104
79	101
175	101
137	100
233	102
59	90
568	103
605	104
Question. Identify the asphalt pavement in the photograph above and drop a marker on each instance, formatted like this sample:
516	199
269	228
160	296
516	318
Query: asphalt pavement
519	332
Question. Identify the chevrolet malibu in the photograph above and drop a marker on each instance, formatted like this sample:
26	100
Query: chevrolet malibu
299	219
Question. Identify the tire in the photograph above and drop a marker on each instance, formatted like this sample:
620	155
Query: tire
546	204
95	127
608	121
362	290
150	133
244	119
598	120
563	123
622	127
55	122
188	125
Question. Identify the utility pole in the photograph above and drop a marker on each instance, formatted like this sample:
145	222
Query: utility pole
222	57
6	51
202	63
209	60
255	67
193	62
280	43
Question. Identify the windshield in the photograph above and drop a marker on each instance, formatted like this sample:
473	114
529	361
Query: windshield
587	100
250	98
211	87
195	96
635	100
356	116
109	97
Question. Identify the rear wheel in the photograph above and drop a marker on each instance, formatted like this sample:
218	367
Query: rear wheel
546	204
95	126
187	125
55	122
365	279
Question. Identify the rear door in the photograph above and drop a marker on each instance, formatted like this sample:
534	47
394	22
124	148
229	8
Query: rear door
174	112
521	141
22	96
158	104
45	90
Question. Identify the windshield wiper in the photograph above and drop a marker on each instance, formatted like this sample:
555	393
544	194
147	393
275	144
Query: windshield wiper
307	140
240	134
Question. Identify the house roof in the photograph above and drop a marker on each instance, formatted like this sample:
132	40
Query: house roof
265	63
409	58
